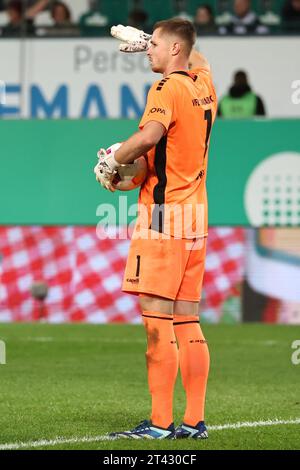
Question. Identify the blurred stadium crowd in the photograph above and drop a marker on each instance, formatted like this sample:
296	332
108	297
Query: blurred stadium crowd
94	17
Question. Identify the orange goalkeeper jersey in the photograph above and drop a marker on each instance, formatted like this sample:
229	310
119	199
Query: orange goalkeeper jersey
174	194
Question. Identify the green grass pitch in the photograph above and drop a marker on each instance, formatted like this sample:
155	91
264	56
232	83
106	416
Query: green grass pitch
83	381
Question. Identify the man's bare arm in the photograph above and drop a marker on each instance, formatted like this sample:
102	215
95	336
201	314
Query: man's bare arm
140	143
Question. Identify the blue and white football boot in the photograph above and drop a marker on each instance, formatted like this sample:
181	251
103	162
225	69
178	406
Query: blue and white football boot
146	430
185	431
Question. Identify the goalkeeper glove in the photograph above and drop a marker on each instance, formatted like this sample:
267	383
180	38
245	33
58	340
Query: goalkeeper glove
136	40
106	168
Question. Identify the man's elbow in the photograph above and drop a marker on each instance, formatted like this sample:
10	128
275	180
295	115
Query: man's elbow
149	141
151	136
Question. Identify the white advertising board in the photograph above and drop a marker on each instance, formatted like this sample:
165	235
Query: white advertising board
90	78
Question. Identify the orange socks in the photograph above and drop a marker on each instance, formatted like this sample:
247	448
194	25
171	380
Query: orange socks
194	365
162	364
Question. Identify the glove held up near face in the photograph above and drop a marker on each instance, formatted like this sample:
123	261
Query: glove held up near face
136	39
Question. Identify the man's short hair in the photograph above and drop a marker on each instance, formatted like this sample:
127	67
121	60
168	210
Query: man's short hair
181	28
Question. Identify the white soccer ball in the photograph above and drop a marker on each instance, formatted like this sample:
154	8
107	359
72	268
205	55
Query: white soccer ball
130	175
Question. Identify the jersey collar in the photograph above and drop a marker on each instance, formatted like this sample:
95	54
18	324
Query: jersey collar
187	74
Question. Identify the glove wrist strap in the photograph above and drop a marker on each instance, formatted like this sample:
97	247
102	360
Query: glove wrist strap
112	162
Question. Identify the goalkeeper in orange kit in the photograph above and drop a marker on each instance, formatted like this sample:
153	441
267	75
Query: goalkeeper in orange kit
166	260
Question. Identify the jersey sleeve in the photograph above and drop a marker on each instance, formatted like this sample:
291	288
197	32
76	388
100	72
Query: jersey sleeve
160	106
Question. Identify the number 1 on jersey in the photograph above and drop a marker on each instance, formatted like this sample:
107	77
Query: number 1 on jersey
208	118
138	264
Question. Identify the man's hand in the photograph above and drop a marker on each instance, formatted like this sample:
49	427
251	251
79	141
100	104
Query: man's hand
105	169
136	40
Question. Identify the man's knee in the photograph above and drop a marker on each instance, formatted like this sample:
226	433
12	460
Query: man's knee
185	307
156	304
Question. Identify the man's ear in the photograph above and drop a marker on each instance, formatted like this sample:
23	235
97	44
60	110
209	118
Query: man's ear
175	48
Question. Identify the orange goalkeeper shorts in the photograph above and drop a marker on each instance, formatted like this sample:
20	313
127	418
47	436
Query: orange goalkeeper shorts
170	268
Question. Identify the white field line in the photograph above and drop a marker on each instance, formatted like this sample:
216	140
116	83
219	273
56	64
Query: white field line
76	440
